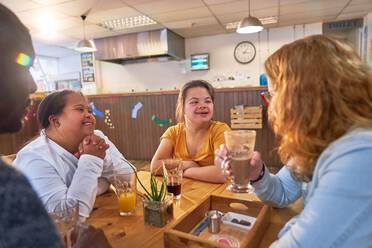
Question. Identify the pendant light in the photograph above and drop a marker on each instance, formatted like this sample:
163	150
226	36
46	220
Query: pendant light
249	24
85	45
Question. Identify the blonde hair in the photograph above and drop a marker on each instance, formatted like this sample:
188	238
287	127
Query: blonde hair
182	96
321	90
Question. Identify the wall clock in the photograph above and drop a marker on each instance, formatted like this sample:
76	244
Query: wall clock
244	52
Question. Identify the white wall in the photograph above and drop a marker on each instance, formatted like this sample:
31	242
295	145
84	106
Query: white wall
154	76
69	64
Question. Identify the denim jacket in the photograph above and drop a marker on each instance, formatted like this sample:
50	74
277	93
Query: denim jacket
337	202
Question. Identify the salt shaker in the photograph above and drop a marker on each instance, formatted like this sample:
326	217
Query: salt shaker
214	220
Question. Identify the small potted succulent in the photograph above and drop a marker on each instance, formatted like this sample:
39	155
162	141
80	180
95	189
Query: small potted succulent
157	204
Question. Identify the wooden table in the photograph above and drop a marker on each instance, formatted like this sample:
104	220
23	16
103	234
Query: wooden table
130	231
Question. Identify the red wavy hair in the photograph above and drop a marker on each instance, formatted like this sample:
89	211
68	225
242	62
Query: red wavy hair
321	90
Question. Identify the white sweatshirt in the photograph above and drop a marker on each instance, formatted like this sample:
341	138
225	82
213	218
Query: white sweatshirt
56	174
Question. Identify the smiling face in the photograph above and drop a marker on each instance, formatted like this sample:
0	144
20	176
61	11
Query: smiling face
76	119
198	107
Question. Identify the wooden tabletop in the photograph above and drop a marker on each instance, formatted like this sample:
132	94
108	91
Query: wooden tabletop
130	231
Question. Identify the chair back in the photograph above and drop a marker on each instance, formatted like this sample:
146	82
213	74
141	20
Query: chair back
249	117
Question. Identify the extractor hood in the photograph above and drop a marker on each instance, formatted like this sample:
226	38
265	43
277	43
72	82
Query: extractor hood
138	46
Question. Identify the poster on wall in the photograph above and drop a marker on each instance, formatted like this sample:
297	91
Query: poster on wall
88	75
87	72
87	67
87	59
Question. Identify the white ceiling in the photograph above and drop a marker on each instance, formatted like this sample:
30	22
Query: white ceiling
189	18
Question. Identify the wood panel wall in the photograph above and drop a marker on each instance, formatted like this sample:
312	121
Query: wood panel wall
138	138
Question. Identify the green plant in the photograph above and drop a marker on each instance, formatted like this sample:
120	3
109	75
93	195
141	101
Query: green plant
155	195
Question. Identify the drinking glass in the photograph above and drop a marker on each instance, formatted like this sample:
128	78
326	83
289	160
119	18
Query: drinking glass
173	173
125	189
240	145
65	215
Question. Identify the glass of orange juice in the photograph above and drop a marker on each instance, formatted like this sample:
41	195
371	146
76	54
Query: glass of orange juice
125	189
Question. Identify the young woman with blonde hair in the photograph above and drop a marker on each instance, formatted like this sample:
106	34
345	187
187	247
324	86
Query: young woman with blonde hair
321	111
196	136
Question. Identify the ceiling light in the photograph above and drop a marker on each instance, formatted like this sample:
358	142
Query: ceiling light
85	45
269	20
128	22
264	21
249	24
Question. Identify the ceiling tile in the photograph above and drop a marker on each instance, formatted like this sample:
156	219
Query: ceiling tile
259	4
177	15
182	15
242	6
315	5
234	17
161	6
200	31
355	2
90	29
305	20
20	5
237	16
77	8
191	23
320	14
100	16
44	18
212	2
51	2
228	8
363	8
136	2
61	39
129	30
286	2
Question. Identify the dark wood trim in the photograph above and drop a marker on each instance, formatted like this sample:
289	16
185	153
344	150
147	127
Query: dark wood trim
175	92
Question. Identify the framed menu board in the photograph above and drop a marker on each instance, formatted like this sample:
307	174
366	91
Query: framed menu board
87	67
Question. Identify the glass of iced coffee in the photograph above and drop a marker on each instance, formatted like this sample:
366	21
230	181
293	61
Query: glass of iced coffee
240	145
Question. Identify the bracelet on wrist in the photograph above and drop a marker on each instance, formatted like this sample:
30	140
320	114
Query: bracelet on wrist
261	174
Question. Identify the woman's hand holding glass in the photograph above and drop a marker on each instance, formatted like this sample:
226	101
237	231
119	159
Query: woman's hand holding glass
93	145
222	159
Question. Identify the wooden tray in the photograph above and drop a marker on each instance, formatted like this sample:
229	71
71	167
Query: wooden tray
179	233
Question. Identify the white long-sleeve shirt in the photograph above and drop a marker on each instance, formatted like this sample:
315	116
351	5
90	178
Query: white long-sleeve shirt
56	174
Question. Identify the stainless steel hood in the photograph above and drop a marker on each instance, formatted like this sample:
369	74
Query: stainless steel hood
138	46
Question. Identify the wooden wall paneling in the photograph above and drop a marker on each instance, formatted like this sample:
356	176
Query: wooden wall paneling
122	123
148	112
11	143
139	138
151	110
141	147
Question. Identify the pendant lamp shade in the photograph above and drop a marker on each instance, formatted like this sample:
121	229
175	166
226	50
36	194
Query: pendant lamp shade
249	24
85	45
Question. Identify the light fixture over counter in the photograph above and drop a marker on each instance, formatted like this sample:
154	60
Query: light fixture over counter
249	24
85	45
